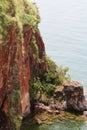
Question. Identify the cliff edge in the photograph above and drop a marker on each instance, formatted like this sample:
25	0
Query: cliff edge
22	56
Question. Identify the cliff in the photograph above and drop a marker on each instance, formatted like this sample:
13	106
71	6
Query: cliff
22	57
27	75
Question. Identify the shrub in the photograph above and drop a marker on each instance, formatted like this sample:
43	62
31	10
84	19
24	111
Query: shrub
35	87
53	77
38	86
62	74
17	13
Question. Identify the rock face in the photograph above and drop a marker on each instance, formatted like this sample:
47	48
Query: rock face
22	56
74	96
69	97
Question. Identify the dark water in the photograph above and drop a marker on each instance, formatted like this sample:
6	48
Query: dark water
64	31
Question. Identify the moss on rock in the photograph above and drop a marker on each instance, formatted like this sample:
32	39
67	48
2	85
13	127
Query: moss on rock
15	17
17	13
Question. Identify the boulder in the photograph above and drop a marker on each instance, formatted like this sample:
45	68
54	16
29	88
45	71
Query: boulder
74	96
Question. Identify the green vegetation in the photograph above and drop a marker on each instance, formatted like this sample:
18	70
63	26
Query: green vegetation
14	14
34	50
54	77
17	13
31	14
15	103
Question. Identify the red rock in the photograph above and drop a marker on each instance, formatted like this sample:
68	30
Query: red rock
16	71
20	58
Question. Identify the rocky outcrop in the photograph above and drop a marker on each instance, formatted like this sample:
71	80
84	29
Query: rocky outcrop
22	57
69	97
74	96
40	107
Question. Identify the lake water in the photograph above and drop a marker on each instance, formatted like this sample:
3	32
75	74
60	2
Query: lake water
63	125
64	31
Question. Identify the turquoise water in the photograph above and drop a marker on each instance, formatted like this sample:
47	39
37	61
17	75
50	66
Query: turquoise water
64	31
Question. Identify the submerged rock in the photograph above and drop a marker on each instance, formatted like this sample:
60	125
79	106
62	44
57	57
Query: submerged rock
74	96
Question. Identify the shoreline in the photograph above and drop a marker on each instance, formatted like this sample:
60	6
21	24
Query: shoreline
47	114
49	119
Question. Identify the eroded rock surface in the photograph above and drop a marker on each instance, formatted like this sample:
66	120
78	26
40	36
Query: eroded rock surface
22	56
69	97
74	96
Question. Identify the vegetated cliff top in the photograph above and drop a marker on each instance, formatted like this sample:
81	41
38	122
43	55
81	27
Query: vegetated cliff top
17	13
